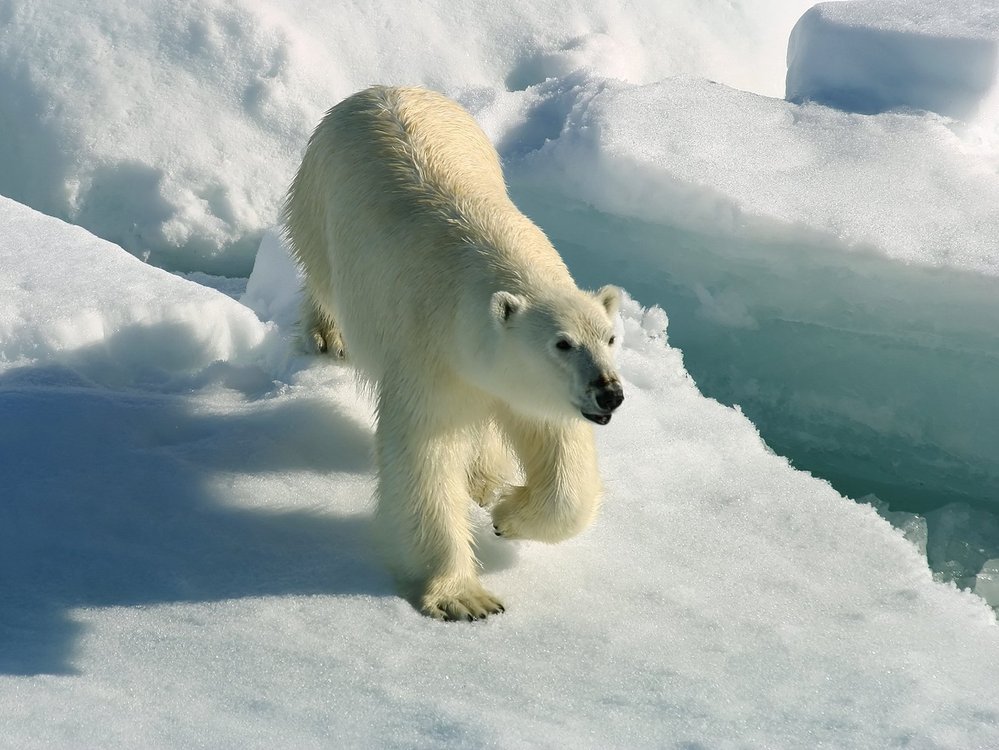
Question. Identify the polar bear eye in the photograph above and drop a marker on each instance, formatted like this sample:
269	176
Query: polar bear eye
563	344
611	340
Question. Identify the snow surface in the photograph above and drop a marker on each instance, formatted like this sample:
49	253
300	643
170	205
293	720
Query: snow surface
185	559
184	502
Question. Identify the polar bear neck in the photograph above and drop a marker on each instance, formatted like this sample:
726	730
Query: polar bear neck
519	256
444	164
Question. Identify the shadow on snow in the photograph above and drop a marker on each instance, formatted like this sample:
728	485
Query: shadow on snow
109	500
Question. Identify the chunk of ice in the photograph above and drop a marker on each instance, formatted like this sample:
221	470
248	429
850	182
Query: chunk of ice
987	582
877	55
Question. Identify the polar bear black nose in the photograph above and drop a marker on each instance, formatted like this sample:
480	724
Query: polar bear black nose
609	395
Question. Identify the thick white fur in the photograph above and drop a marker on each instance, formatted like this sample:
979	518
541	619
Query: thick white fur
421	271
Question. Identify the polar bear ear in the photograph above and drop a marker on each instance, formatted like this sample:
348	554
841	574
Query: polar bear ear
504	306
610	297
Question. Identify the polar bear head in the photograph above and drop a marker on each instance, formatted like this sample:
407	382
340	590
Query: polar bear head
554	353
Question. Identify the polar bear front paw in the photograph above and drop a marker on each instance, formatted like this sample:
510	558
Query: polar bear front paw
519	516
522	515
471	603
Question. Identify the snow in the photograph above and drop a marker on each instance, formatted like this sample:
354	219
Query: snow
185	559
140	326
173	128
185	500
706	157
875	55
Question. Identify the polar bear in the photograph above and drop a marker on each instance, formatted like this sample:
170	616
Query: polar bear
486	358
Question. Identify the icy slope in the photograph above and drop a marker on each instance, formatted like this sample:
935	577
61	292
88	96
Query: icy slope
184	557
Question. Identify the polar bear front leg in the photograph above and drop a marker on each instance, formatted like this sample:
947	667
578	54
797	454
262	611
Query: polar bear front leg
422	513
561	495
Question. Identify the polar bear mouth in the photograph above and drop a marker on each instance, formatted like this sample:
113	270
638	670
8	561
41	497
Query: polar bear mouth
598	418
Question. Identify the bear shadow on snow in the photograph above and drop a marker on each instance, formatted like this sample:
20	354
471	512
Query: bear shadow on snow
108	501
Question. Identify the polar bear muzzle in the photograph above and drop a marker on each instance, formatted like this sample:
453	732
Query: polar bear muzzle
608	395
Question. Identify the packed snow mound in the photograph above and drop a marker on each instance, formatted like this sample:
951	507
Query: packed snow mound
211	537
174	128
70	299
706	157
876	55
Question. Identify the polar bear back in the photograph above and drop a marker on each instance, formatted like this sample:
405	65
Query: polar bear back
399	216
